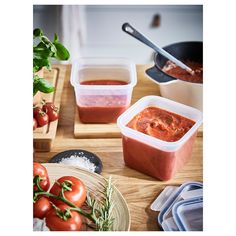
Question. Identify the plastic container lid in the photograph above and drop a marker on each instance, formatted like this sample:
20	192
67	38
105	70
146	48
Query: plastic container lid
188	214
180	207
177	196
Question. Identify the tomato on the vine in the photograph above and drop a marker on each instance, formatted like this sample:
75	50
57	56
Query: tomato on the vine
48	106
76	194
36	110
41	207
52	111
55	223
42	118
52	115
41	171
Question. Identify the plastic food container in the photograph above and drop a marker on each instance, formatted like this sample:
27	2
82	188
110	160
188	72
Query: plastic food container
181	208
102	103
150	155
188	214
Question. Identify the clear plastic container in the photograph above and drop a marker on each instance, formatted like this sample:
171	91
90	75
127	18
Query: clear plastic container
188	214
180	208
189	190
150	155
102	103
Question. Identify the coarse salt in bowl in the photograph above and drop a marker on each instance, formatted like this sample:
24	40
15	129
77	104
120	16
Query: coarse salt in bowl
81	161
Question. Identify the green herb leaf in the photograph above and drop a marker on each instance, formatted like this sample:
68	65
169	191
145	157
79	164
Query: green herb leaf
46	41
56	38
62	53
43	51
37	32
42	85
39	63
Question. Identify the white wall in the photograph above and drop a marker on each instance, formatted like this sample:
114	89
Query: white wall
105	37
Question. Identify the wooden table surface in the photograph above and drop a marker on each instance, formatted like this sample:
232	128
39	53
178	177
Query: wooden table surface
138	189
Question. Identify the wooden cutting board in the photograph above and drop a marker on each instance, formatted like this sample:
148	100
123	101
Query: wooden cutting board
94	130
44	136
144	87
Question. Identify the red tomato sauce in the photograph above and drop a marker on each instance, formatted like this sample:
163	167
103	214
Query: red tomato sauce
101	114
173	70
161	124
155	162
102	108
104	82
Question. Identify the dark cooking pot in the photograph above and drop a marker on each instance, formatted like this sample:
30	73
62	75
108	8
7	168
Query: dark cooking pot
181	91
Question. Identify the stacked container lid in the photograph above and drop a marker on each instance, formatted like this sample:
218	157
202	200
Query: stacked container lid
181	208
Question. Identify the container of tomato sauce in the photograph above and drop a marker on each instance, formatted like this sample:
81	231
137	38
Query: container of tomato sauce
103	88
158	135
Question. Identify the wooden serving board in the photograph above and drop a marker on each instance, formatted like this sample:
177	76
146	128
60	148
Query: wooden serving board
94	130
44	136
144	87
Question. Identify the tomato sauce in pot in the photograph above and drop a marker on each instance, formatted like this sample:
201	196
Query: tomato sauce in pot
175	71
102	108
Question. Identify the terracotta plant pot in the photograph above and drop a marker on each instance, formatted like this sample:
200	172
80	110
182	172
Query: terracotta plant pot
38	96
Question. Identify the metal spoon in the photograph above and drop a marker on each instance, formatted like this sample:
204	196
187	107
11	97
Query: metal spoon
126	27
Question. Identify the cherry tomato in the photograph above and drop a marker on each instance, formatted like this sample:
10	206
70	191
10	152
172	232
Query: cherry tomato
77	195
52	115
41	207
48	106
40	170
42	118
35	124
36	110
55	223
52	111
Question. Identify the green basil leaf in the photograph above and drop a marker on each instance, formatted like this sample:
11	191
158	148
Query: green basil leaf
56	38
62	53
42	85
53	49
35	84
37	32
41	53
39	63
46	41
35	68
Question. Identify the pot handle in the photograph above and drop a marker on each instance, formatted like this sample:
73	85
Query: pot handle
158	76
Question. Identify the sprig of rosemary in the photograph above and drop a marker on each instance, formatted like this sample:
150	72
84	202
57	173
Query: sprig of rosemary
103	209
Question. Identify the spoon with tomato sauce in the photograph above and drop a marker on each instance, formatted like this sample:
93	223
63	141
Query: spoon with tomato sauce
127	28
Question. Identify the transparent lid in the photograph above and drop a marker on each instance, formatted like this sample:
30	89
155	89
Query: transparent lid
178	196
172	197
188	214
